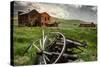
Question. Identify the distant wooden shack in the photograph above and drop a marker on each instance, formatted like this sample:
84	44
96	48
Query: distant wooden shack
87	24
34	18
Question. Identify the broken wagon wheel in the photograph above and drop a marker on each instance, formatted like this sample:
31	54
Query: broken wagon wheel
51	49
47	48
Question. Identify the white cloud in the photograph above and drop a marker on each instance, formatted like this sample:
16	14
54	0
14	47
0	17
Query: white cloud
94	8
53	9
23	3
75	6
65	11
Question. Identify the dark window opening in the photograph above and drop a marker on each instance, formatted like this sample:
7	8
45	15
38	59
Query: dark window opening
48	18
45	18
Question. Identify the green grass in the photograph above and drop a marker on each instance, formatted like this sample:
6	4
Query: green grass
22	36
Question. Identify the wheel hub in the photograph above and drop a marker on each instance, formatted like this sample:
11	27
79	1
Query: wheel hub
40	53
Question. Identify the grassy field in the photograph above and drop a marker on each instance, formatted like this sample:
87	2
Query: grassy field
22	36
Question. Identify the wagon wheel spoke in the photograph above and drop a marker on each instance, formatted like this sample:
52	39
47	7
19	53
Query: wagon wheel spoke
65	55
43	38
54	53
37	47
44	59
48	53
51	42
30	48
51	53
41	46
47	58
44	42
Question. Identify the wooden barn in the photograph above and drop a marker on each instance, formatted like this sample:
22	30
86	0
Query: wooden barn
47	20
87	24
34	18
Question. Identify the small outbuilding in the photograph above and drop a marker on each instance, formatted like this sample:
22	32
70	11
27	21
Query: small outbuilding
87	24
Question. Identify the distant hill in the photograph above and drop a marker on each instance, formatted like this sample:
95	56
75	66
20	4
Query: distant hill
67	23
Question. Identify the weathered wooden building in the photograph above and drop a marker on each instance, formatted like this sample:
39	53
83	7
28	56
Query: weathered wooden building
31	18
34	18
87	24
